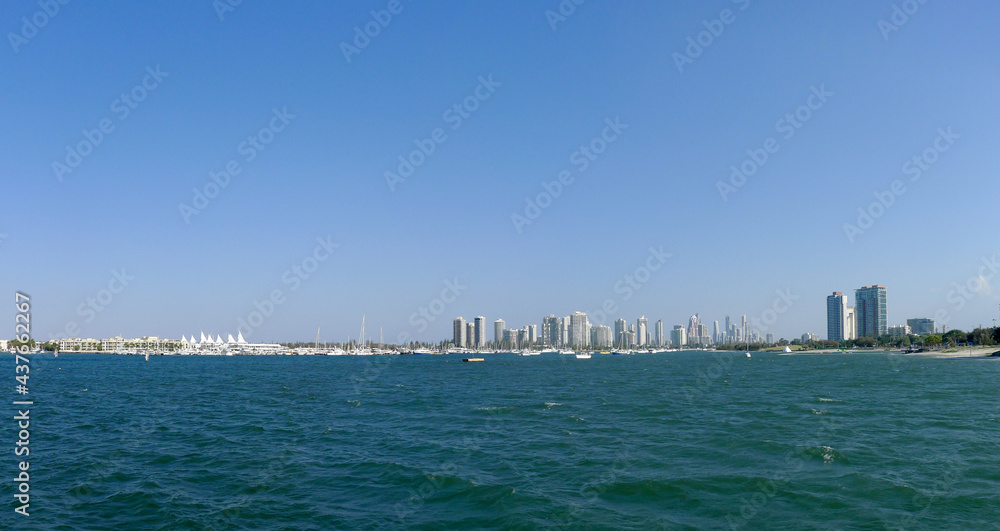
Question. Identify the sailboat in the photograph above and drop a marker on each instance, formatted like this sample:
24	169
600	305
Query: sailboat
745	334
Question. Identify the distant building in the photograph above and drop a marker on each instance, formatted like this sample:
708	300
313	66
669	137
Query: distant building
921	327
498	327
770	338
531	332
641	328
900	330
480	331
678	336
870	302
660	339
807	337
458	332
578	330
620	329
600	336
836	316
470	335
850	324
552	331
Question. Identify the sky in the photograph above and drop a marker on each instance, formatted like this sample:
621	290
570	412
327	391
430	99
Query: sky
574	158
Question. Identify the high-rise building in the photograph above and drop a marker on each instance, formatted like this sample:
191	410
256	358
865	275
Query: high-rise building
836	316
678	336
620	330
850	324
470	335
770	338
641	329
498	327
458	332
552	331
532	333
921	327
729	331
694	328
564	331
600	336
660	339
870	302
716	333
579	335
480	332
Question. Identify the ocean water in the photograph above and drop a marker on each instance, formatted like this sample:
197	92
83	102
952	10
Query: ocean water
689	440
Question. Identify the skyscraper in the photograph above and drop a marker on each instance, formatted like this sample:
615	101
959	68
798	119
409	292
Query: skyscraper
641	327
480	332
498	327
470	335
458	332
579	335
531	332
850	324
870	304
716	334
836	316
678	336
729	331
620	330
552	331
660	339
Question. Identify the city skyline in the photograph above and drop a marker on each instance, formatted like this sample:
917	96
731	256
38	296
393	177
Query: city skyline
243	171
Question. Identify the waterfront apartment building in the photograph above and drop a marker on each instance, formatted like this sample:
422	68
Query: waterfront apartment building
678	336
620	330
578	333
641	329
921	327
836	316
470	335
900	330
458	332
660	339
850	323
600	336
870	304
498	327
480	331
552	331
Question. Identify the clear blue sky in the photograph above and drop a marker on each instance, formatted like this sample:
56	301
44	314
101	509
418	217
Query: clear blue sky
655	185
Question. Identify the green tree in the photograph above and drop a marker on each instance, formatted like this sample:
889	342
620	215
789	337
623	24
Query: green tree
933	340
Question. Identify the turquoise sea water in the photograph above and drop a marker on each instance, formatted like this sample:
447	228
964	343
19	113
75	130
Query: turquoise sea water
688	440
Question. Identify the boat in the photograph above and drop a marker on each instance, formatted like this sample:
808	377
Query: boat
787	349
583	355
568	352
467	360
528	352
